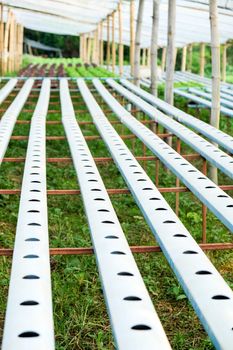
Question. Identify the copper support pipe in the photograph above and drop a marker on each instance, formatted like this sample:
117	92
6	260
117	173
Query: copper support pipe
57	111
69	159
96	159
66	192
204	208
157	160
58	122
112	191
88	138
134	249
178	149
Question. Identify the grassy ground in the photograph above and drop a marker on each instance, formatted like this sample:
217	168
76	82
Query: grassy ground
81	320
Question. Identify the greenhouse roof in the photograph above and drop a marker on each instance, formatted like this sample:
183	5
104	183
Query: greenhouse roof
74	17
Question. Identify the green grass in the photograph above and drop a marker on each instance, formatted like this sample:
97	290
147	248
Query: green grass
80	316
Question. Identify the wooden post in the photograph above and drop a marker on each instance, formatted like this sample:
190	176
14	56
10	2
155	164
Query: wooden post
108	42
11	44
16	47
163	59
121	47
190	58
15	54
224	62
20	45
132	35
175	56
154	47
170	51
84	48
148	63
144	56
113	43
5	45
89	42
80	45
215	53
183	61
98	44
1	38
138	43
92	39
101	44
202	59
94	48
170	64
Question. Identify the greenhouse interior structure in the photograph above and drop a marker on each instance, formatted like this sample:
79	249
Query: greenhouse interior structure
116	191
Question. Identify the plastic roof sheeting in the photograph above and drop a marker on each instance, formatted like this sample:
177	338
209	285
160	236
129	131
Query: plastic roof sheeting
226	4
192	23
61	17
82	16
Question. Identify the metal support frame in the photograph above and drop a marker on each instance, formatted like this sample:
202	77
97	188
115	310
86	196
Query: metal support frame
29	320
135	323
202	283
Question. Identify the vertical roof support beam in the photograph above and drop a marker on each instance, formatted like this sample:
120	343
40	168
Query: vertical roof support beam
108	42
184	58
121	46
202	59
1	37
97	46
190	57
89	42
80	46
138	43
170	59
170	51
154	47
148	61
144	56
5	44
113	43
10	66
101	44
224	62
163	59
132	35
215	51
